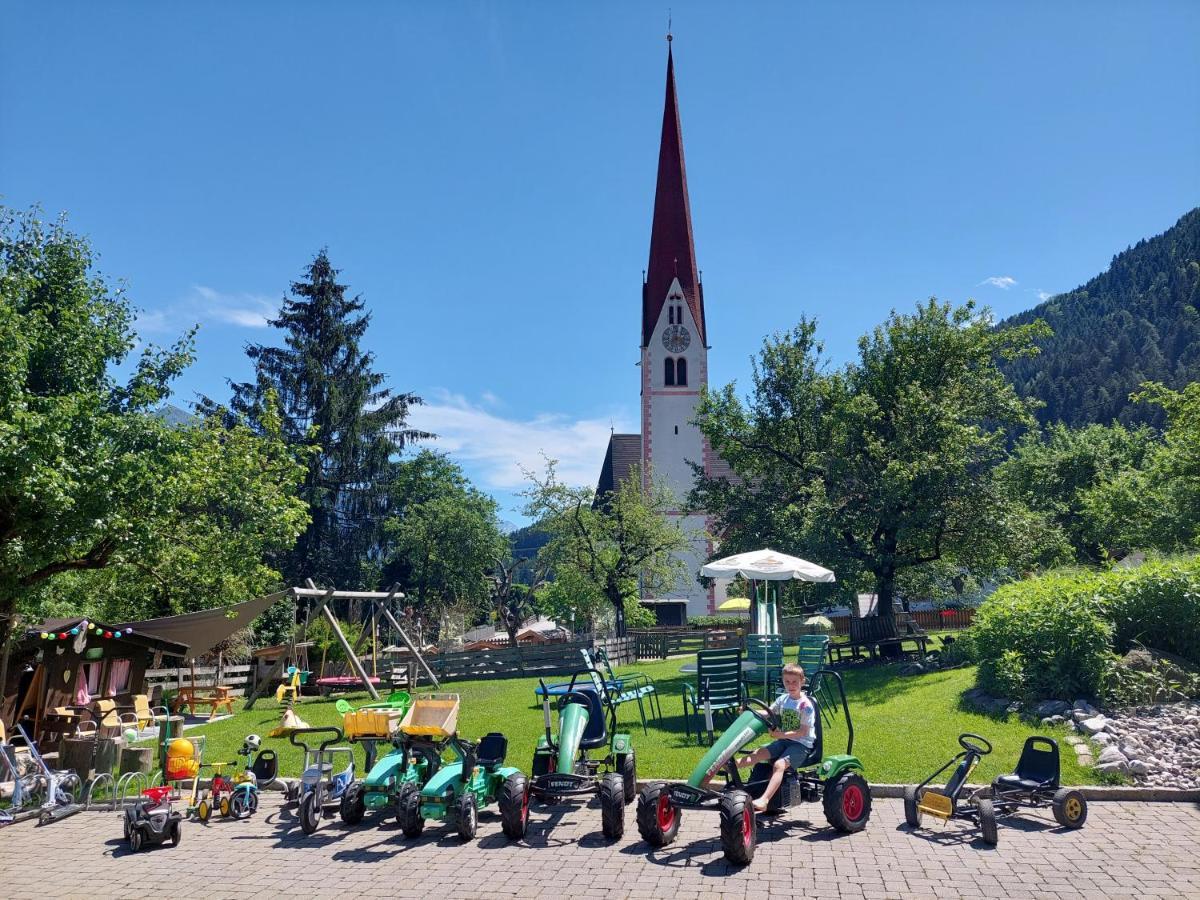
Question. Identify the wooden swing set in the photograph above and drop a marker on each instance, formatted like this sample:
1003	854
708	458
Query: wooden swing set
380	611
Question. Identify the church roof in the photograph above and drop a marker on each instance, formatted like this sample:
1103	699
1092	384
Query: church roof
624	452
672	249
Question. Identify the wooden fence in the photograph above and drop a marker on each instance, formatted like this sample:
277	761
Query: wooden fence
659	643
236	677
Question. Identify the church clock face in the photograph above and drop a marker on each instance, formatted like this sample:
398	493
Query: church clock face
676	338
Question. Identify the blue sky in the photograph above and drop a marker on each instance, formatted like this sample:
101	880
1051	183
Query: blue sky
483	174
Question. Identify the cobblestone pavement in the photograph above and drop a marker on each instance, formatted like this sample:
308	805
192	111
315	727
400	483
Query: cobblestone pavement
1125	850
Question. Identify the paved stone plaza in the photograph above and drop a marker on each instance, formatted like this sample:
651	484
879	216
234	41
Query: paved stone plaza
1125	850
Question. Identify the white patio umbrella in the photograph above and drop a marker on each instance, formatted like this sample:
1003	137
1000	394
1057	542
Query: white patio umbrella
767	565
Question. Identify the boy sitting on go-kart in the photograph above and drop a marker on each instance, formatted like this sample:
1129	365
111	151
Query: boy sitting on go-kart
788	747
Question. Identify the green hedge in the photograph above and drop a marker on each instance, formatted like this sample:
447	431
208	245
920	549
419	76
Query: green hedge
1043	637
1055	635
1157	605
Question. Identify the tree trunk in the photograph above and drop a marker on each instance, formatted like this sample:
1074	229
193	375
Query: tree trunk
885	592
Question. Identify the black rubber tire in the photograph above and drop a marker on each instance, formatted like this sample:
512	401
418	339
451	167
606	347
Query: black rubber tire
657	817
353	806
987	821
176	834
241	805
629	775
513	800
1070	808
467	815
135	840
912	815
739	827
310	812
129	819
612	806
847	802
408	811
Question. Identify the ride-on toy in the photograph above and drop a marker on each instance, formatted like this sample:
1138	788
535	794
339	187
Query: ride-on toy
322	784
1035	785
152	821
948	802
425	788
836	780
562	768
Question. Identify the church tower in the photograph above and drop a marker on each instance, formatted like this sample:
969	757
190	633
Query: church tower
674	367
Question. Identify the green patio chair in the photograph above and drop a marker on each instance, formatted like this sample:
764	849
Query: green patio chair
812	657
631	686
718	688
766	652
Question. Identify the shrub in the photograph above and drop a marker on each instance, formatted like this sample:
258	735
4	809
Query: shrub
1043	637
1156	604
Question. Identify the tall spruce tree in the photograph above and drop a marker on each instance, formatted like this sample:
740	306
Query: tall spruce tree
332	398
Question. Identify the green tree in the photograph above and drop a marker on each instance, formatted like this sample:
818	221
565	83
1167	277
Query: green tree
613	544
102	503
228	502
1056	472
330	395
443	537
881	466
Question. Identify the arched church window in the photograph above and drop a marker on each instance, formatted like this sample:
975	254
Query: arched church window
670	315
681	372
669	372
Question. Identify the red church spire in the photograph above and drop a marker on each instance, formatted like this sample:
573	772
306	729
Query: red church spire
672	250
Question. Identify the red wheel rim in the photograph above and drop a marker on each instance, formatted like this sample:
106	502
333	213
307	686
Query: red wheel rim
747	824
852	802
525	805
666	812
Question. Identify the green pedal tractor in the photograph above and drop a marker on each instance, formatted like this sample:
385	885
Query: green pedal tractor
562	766
836	780
416	777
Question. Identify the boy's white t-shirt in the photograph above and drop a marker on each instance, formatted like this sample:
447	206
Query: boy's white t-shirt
806	712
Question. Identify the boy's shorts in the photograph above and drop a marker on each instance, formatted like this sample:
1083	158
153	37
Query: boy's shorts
796	752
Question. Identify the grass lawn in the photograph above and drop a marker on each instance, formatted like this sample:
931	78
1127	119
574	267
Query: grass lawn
904	727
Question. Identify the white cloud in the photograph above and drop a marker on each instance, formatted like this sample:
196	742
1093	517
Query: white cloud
206	305
495	449
1043	296
1000	281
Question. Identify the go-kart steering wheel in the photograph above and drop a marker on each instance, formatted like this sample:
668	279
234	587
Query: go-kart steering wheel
983	747
768	716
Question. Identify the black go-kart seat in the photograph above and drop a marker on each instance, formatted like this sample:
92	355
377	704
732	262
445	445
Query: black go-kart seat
596	733
1037	769
491	750
265	767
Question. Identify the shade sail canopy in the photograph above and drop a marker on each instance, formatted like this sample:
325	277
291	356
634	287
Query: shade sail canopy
203	630
767	565
735	604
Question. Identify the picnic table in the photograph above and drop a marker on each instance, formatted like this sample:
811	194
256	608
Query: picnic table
216	698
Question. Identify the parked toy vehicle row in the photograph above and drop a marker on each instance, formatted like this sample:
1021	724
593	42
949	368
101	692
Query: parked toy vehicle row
430	773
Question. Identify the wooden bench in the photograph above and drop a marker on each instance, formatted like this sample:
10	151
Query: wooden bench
872	633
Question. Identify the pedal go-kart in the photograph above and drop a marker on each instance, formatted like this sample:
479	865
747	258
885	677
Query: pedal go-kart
322	783
562	768
948	802
837	780
1034	785
152	821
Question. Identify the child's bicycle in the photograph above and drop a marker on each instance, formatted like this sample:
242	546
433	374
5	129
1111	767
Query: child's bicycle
322	784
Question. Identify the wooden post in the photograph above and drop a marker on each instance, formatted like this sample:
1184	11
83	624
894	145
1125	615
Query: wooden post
407	643
275	670
136	759
337	632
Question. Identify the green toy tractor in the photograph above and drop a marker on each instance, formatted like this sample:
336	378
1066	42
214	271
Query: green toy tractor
562	767
835	780
426	787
